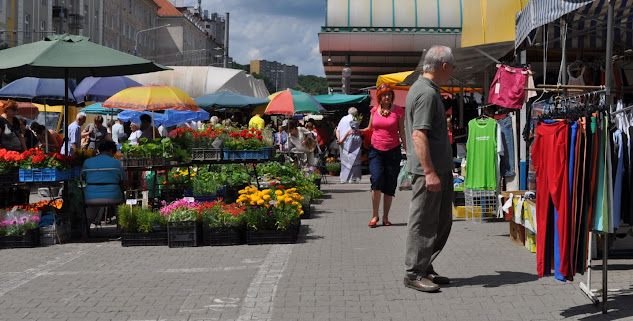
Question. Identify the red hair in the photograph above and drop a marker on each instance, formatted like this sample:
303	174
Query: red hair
7	104
383	89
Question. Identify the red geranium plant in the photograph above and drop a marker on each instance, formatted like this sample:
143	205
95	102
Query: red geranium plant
245	139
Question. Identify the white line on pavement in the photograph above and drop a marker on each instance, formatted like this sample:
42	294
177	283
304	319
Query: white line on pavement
258	304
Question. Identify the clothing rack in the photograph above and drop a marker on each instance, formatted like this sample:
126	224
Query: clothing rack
622	110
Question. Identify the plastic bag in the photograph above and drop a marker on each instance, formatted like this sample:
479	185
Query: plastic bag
404	178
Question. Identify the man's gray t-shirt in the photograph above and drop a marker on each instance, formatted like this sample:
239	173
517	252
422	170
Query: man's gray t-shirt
425	110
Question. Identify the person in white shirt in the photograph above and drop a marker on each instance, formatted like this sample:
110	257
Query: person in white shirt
117	130
136	133
344	124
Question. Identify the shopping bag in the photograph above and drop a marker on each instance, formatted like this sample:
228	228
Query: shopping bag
404	178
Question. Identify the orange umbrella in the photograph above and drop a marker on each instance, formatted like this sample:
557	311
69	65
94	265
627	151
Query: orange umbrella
28	110
151	98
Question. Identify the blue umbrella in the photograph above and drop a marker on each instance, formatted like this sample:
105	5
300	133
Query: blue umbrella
226	99
40	90
101	88
167	119
96	108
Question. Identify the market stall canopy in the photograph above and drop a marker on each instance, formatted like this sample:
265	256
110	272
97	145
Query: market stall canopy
489	21
470	62
98	109
27	110
397	82
227	99
340	99
587	25
101	88
168	118
40	90
49	58
197	81
291	102
150	98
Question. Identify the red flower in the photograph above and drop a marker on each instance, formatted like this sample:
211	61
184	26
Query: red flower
38	159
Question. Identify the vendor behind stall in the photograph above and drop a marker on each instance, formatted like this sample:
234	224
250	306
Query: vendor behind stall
103	186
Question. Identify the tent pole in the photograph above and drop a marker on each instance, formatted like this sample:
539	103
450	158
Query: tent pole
46	127
609	73
65	111
153	126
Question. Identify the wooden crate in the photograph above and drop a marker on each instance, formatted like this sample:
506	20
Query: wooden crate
517	233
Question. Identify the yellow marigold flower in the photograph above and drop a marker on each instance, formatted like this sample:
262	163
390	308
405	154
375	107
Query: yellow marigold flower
302	198
279	193
260	202
253	203
266	197
295	203
266	191
242	191
300	212
255	198
288	200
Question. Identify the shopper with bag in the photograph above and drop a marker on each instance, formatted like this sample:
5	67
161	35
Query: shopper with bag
96	133
11	136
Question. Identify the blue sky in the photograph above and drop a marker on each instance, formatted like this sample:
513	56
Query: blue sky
280	30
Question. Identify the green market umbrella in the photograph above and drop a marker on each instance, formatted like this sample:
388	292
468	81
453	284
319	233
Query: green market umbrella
340	99
70	56
98	109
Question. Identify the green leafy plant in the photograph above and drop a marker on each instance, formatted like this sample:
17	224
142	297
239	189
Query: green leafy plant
333	167
219	214
206	182
139	219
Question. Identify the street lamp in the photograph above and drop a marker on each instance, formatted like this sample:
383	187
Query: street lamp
277	77
136	36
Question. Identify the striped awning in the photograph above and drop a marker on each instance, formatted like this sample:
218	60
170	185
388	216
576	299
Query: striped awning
587	24
541	12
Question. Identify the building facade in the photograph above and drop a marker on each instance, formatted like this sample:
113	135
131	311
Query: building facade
127	25
284	76
24	21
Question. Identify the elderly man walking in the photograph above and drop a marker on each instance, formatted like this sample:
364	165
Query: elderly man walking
431	164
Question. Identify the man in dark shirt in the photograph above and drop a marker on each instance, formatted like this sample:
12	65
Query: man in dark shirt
430	163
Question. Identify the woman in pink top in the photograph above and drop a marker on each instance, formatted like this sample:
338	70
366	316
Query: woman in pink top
387	124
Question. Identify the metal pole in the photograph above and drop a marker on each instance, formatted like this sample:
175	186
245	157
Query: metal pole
226	41
609	74
563	60
65	112
461	106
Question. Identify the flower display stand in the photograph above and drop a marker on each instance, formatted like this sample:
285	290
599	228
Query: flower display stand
144	162
43	175
30	239
288	236
264	153
143	239
184	234
203	154
220	236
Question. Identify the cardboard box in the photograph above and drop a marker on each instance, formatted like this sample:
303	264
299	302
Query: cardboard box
517	233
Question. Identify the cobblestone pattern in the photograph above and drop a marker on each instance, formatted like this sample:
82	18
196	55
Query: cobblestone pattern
339	270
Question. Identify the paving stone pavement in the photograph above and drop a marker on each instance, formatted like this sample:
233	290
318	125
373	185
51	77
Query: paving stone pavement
339	270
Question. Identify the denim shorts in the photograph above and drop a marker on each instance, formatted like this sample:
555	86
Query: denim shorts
384	167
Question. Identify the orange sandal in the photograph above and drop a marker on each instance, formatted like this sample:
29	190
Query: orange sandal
373	223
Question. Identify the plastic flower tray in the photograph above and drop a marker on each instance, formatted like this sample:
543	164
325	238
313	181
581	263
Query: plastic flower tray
203	154
76	172
30	239
184	234
288	236
144	239
221	236
43	175
264	153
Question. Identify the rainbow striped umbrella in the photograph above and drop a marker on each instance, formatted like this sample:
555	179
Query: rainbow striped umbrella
151	98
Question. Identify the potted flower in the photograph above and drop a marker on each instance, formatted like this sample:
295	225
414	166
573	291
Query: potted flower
207	143
207	185
142	226
314	177
271	216
18	229
35	165
183	224
248	144
178	181
9	163
223	224
333	166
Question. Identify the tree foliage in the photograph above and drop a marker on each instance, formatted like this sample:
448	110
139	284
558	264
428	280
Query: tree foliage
270	85
312	85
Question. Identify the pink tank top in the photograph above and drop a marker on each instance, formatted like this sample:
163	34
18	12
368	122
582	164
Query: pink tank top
385	129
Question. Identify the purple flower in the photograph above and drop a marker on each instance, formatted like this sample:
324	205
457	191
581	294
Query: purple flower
35	218
4	223
270	213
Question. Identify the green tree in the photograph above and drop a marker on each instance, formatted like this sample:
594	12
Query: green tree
312	85
246	68
270	85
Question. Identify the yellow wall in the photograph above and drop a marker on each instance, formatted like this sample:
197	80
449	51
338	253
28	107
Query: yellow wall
255	66
489	21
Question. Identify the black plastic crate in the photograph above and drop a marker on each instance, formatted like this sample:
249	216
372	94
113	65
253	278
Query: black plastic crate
307	211
144	239
458	198
30	239
184	234
220	236
288	236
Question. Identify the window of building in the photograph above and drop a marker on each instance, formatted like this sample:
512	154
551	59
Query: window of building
124	29
42	29
95	23
1	5
118	16
43	2
27	25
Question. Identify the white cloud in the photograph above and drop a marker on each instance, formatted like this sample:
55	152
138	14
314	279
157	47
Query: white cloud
282	30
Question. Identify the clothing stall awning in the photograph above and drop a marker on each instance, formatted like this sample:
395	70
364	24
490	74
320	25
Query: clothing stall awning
587	29
340	99
541	12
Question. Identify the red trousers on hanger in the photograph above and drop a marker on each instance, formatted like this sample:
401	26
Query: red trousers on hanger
551	161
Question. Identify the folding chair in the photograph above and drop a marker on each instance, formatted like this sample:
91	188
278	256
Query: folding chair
98	202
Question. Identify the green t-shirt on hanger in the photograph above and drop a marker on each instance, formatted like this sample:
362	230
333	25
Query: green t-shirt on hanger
481	155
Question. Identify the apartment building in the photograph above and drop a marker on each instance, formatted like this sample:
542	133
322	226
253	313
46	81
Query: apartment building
24	21
284	76
127	24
